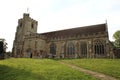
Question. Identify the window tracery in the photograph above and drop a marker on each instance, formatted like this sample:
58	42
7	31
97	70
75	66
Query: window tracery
53	48
83	48
70	49
99	47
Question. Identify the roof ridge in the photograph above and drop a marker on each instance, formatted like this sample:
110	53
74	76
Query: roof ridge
74	28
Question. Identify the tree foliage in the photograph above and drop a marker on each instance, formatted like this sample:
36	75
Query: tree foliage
116	36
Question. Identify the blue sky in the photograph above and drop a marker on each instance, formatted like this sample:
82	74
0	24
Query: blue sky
58	14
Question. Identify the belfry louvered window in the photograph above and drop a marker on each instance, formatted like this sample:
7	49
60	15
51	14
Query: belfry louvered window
32	26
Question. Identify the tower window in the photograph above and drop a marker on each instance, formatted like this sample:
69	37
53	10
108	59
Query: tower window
32	26
20	24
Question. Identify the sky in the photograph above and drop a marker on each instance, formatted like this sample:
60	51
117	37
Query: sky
55	15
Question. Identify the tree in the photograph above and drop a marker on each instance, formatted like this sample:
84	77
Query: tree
116	36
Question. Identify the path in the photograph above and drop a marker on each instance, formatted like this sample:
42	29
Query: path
95	74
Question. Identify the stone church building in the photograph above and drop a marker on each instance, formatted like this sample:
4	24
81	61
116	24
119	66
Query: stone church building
81	42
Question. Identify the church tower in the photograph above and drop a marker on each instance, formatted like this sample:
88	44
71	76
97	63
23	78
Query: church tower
26	26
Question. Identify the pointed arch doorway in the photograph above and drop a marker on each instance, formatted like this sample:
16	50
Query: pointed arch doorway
29	53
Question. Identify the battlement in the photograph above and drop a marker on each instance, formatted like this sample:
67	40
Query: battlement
25	15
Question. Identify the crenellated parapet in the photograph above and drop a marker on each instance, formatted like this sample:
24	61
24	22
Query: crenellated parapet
35	35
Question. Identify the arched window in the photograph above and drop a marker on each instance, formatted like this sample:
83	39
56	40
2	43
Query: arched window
99	47
70	49
77	47
53	48
63	48
83	48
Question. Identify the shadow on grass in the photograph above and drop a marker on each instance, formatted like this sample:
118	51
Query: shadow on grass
9	73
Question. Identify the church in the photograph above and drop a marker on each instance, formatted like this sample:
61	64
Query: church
81	42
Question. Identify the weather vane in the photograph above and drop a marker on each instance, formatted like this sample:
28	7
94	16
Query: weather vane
106	20
28	10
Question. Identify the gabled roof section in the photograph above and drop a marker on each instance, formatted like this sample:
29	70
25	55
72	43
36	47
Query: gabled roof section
77	31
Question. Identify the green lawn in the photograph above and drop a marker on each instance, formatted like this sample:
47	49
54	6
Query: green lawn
107	66
38	69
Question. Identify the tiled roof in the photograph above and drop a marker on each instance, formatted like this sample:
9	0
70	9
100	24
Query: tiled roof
77	31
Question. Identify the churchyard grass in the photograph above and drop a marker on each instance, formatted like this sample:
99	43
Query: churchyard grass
110	67
39	69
